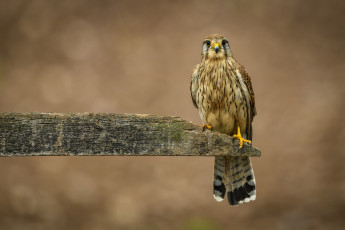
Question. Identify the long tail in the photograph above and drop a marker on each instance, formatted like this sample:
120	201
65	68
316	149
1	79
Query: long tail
240	180
219	182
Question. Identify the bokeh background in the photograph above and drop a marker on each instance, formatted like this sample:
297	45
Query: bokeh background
137	57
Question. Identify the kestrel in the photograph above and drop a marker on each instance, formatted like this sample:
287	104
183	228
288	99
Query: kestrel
222	92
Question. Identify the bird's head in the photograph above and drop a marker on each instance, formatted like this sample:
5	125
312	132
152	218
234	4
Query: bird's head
215	47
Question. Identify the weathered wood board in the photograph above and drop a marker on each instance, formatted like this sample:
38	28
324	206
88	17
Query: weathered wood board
89	134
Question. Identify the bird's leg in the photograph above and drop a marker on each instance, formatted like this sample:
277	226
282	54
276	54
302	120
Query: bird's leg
204	127
239	137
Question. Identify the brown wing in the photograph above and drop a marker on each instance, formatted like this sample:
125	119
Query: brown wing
194	84
248	83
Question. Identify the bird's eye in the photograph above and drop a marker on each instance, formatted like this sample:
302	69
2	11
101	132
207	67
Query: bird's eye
208	43
224	42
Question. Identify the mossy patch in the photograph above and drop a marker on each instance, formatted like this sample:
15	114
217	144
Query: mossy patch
173	131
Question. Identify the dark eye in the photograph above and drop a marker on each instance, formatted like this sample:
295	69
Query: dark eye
208	43
224	42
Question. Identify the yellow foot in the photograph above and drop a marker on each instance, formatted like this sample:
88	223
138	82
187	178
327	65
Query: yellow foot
239	137
204	127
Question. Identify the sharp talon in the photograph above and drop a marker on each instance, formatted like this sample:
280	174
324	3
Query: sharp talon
240	138
204	127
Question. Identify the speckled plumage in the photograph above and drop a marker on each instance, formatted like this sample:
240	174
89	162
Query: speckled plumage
221	89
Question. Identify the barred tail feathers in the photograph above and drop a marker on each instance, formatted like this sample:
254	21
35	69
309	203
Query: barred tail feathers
219	181
241	181
248	172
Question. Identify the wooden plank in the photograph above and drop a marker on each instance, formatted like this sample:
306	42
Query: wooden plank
101	134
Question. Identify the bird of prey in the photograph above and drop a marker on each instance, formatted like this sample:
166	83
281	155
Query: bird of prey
222	92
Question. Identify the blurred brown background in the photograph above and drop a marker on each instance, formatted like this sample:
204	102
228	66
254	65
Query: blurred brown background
137	57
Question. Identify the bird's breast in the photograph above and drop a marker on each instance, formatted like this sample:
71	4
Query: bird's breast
219	97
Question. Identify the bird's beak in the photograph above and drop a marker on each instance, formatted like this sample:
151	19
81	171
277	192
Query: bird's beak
215	46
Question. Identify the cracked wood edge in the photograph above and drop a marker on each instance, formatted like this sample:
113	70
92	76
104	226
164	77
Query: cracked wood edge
106	134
